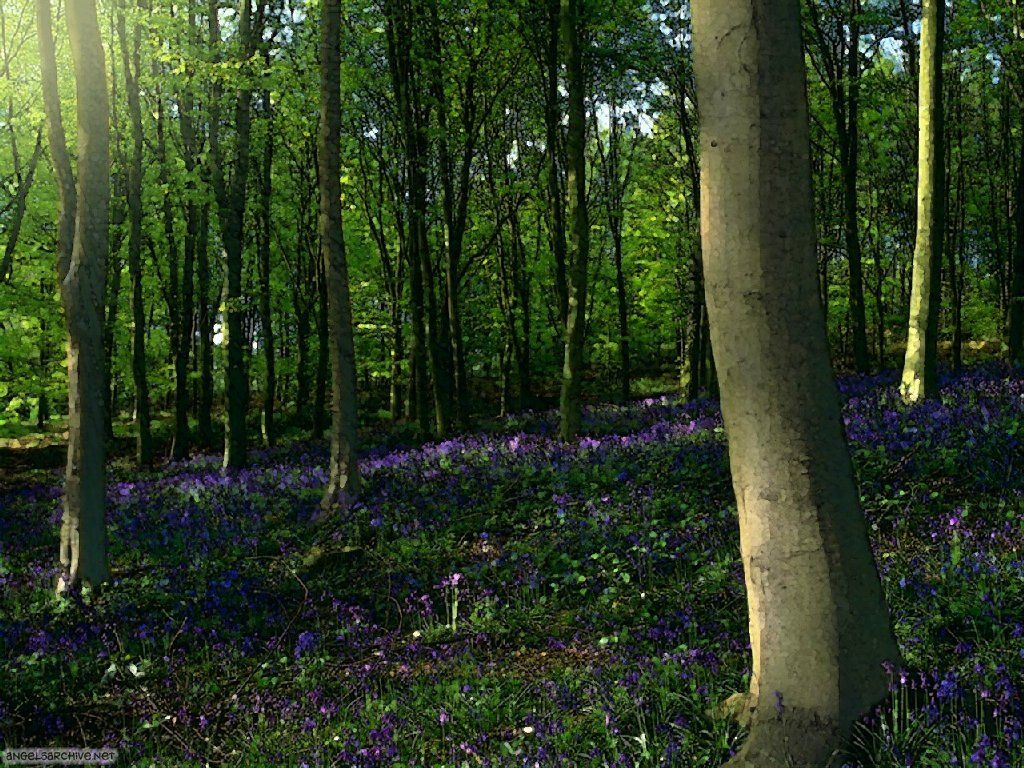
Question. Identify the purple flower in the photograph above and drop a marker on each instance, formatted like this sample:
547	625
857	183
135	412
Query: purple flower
306	643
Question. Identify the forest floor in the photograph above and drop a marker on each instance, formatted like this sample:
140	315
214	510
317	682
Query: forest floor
504	599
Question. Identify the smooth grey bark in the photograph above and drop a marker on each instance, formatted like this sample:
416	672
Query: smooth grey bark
920	369
819	629
343	484
570	407
82	257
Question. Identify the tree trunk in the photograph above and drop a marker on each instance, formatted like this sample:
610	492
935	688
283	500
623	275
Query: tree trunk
266	312
344	473
323	353
397	353
552	121
205	412
231	202
186	324
83	536
399	33
1016	322
130	64
19	205
849	142
302	333
920	368
819	630
575	324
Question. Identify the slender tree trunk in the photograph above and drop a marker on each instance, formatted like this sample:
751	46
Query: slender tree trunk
323	353
695	339
920	369
819	630
399	33
695	330
575	325
113	302
205	412
344	471
187	321
82	272
43	408
59	155
556	198
231	202
17	214
850	153
1016	322
302	333
266	312
397	354
130	64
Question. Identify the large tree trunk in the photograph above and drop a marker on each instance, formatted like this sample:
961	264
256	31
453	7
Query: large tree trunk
130	63
344	475
920	368
819	630
576	149
83	536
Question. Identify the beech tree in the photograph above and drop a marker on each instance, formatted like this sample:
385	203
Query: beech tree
577	214
819	629
344	475
81	269
231	205
920	369
130	63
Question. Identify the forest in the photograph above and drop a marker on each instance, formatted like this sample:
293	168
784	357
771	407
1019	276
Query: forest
456	383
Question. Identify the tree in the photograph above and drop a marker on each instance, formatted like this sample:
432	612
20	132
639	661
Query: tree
836	56
344	475
577	214
130	62
616	171
81	269
920	368
231	202
819	630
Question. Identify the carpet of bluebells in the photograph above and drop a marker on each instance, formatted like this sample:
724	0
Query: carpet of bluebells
502	599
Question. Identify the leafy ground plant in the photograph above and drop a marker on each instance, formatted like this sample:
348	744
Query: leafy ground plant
503	599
